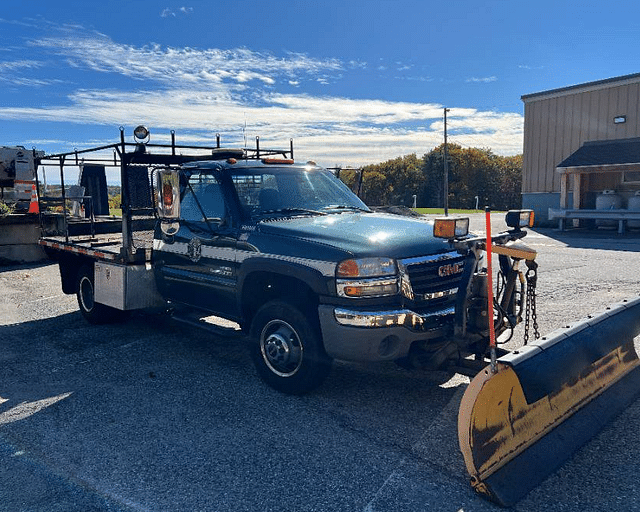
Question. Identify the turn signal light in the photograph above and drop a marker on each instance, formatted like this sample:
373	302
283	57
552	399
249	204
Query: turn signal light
371	290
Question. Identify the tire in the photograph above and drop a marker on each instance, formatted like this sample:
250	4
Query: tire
287	349
93	312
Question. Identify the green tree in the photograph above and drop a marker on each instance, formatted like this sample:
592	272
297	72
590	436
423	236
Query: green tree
406	178
392	182
473	172
511	181
375	188
115	201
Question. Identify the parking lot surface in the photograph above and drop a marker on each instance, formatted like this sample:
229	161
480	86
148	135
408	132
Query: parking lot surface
150	415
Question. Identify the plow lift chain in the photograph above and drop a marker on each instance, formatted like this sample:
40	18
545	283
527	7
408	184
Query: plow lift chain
531	313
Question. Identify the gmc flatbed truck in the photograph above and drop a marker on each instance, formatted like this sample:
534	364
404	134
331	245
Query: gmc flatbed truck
287	253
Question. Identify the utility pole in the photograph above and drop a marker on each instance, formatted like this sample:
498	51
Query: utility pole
446	167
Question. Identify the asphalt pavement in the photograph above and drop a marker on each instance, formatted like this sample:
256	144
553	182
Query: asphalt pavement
149	415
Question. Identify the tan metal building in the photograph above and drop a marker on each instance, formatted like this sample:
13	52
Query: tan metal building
582	138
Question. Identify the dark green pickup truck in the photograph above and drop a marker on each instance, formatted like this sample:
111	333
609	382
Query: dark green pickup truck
305	269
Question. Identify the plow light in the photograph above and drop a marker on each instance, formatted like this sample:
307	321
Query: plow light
451	227
519	219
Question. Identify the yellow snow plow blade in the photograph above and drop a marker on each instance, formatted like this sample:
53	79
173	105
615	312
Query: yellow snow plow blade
518	425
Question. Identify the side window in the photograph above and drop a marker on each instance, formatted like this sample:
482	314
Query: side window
202	198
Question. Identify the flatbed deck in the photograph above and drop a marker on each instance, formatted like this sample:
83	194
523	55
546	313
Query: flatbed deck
108	246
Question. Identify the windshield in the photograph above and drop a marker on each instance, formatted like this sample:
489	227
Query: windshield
293	190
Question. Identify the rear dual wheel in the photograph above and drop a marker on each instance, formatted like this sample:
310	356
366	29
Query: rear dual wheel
93	311
287	349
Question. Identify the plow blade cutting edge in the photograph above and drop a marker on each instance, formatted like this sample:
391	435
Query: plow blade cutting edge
518	425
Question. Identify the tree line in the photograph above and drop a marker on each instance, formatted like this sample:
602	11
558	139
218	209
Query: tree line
494	180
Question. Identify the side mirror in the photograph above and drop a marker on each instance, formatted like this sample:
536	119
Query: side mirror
168	194
168	200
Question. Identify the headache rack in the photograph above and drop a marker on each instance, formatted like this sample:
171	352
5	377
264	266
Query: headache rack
78	215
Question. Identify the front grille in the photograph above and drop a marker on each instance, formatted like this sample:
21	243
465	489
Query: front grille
432	278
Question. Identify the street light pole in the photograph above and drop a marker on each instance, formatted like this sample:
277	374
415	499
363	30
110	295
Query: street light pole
446	167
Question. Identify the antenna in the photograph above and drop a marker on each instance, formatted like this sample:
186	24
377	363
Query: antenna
244	130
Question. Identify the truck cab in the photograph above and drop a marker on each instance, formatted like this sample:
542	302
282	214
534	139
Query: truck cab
305	267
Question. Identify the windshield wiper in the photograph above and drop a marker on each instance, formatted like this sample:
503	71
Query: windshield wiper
344	207
293	210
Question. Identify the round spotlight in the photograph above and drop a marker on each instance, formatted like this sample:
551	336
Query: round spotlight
141	134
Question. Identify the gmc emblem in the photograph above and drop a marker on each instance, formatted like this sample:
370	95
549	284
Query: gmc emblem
450	269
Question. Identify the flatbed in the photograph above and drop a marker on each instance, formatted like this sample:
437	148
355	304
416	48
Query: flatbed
106	247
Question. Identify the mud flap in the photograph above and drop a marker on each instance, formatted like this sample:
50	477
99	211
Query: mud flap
518	425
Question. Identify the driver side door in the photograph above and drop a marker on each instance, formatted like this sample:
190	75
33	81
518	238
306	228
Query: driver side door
197	265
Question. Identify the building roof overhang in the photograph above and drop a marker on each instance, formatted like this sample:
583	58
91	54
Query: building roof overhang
580	88
603	156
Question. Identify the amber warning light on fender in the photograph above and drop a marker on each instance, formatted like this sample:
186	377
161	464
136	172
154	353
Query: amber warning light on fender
451	227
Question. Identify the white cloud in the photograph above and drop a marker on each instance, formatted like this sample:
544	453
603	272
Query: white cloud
200	92
357	64
10	73
327	129
528	67
167	65
484	80
170	12
12	66
415	78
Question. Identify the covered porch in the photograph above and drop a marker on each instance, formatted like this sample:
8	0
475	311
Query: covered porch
604	178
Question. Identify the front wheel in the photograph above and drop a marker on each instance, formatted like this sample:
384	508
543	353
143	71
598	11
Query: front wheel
93	311
287	349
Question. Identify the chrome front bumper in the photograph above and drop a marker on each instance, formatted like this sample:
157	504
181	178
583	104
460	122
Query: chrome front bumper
402	317
383	335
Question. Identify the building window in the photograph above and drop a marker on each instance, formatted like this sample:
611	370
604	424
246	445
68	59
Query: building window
631	177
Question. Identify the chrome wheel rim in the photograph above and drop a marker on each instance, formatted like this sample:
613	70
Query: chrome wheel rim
86	293
281	348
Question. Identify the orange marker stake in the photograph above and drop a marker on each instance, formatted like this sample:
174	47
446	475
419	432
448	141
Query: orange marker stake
492	330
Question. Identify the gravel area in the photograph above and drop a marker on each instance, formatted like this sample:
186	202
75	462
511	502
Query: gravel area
150	415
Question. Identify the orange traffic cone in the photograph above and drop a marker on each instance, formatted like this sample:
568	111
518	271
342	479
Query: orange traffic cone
33	206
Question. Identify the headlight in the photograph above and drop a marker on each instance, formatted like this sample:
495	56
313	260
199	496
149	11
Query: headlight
451	227
367	277
366	267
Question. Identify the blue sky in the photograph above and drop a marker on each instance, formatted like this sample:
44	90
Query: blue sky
352	81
